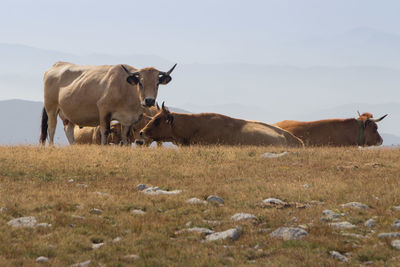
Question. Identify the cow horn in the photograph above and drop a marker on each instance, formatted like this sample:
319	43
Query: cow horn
168	72
378	120
127	71
158	107
358	112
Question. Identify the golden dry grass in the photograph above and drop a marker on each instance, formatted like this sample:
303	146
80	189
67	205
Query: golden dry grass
34	182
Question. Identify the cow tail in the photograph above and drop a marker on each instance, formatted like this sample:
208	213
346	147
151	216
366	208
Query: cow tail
44	126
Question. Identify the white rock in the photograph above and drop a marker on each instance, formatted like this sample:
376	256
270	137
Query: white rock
336	255
44	225
397	208
353	235
343	225
96	211
195	200
330	214
81	264
396	244
42	259
154	190
102	194
138	212
131	257
199	230
389	235
117	240
370	223
289	233
215	199
232	234
23	222
306	186
274	155
70	180
356	205
81	185
243	217
396	224
98	245
141	187
2	210
274	201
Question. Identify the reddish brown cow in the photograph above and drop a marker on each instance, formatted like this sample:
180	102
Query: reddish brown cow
214	129
362	131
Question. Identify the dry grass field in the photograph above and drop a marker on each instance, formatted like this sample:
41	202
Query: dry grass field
34	181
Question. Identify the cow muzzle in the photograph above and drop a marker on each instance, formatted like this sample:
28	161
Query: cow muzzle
149	102
139	142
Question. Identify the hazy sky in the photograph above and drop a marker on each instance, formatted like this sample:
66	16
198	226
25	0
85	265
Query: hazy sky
206	31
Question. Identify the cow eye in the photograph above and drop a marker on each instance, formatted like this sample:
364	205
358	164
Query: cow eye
157	122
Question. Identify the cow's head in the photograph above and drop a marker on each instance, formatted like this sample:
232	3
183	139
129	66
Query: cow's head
147	81
370	136
160	126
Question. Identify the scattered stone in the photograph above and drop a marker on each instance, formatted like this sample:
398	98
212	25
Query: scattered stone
337	256
215	199
141	187
77	217
116	240
44	225
397	208
243	217
274	201
97	245
82	264
188	224
330	214
356	205
138	212
81	185
2	210
232	234
306	186
131	257
303	226
293	219
195	200
199	230
389	235
42	259
396	224
274	155
289	233
396	244
70	180
154	190
23	222
96	211
370	223
343	225
353	235
316	202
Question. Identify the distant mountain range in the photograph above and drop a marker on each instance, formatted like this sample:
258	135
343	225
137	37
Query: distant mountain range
21	121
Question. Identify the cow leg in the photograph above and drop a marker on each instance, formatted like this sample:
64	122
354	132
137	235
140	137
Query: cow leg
105	127
52	114
69	132
124	134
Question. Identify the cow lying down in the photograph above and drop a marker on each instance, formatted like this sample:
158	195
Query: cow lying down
362	131
214	129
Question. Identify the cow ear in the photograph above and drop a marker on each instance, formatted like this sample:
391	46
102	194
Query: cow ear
132	79
170	119
164	79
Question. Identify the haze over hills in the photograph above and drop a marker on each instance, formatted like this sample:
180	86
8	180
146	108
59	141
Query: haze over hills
329	78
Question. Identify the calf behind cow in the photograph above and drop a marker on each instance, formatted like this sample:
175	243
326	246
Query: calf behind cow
336	132
214	129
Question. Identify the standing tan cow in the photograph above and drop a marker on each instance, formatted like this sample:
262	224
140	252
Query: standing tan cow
336	132
214	129
96	95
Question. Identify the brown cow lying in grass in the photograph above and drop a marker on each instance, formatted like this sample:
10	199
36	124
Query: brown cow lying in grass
214	129
336	132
